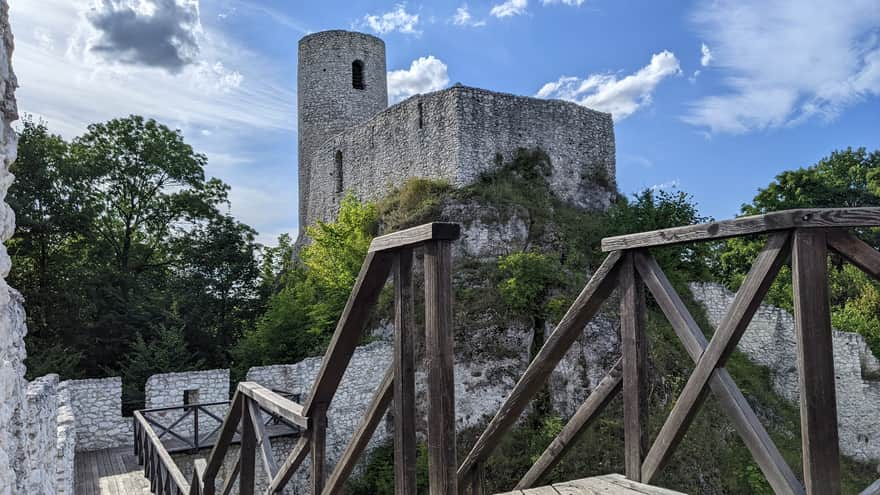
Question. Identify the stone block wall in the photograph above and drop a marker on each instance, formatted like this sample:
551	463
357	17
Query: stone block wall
770	341
65	445
192	387
456	134
97	405
41	427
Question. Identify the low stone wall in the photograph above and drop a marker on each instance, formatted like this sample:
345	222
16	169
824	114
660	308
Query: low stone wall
770	341
42	409
65	445
97	405
189	387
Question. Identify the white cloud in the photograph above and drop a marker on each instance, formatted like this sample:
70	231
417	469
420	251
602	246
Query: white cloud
510	8
237	96
570	3
607	93
396	20
463	17
424	75
705	55
670	184
787	61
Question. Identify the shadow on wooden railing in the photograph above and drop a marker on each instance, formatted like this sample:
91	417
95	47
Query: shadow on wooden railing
805	235
390	254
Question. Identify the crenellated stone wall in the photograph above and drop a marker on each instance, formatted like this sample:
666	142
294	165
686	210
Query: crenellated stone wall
770	341
97	405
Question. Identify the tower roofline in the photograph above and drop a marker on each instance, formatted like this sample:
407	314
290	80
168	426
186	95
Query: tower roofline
337	32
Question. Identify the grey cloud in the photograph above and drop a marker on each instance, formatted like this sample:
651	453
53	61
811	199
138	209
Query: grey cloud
163	36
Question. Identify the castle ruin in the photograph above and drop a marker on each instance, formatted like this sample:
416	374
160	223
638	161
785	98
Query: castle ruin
350	140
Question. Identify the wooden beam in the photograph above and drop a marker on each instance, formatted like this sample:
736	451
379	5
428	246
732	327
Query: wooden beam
263	442
290	465
248	451
404	377
435	231
723	343
601	396
218	452
778	473
856	251
815	349
757	224
274	403
557	344
367	287
319	448
874	489
440	367
372	417
229	482
634	347
163	458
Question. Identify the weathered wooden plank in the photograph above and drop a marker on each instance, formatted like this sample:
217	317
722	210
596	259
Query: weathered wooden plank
856	251
263	443
579	422
197	485
369	283
319	448
557	344
361	437
723	343
408	238
248	451
634	347
812	315
275	403
439	364
778	473
404	376
620	480
293	461
874	489
768	222
218	452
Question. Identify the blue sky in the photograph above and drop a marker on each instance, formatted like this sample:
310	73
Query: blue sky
714	97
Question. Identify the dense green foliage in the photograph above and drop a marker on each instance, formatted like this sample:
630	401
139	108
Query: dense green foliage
120	236
845	178
301	316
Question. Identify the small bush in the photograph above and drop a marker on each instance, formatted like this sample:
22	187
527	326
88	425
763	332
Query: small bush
417	201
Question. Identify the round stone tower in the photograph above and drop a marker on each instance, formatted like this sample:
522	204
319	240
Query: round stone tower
342	82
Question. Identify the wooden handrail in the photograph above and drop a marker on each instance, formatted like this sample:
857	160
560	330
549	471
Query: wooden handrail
756	224
274	403
156	452
409	238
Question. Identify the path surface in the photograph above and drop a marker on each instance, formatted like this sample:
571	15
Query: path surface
110	472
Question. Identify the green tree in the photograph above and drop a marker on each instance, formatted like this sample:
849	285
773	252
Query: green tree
300	318
845	178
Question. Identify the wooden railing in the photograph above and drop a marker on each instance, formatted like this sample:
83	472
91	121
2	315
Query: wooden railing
806	236
388	255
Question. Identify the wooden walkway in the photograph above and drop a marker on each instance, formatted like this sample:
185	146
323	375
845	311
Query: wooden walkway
110	472
609	484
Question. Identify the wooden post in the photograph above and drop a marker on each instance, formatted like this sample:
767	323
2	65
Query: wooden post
319	445
634	350
404	377
815	363
248	454
439	361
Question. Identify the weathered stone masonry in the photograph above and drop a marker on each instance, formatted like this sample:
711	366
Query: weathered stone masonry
770	341
349	141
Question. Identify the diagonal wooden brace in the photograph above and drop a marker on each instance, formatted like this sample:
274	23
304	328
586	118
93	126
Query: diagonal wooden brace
723	343
778	473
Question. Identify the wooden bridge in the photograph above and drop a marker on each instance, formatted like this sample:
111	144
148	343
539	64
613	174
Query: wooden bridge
804	235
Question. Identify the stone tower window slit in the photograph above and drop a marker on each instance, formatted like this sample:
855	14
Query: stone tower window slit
421	117
338	171
357	75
